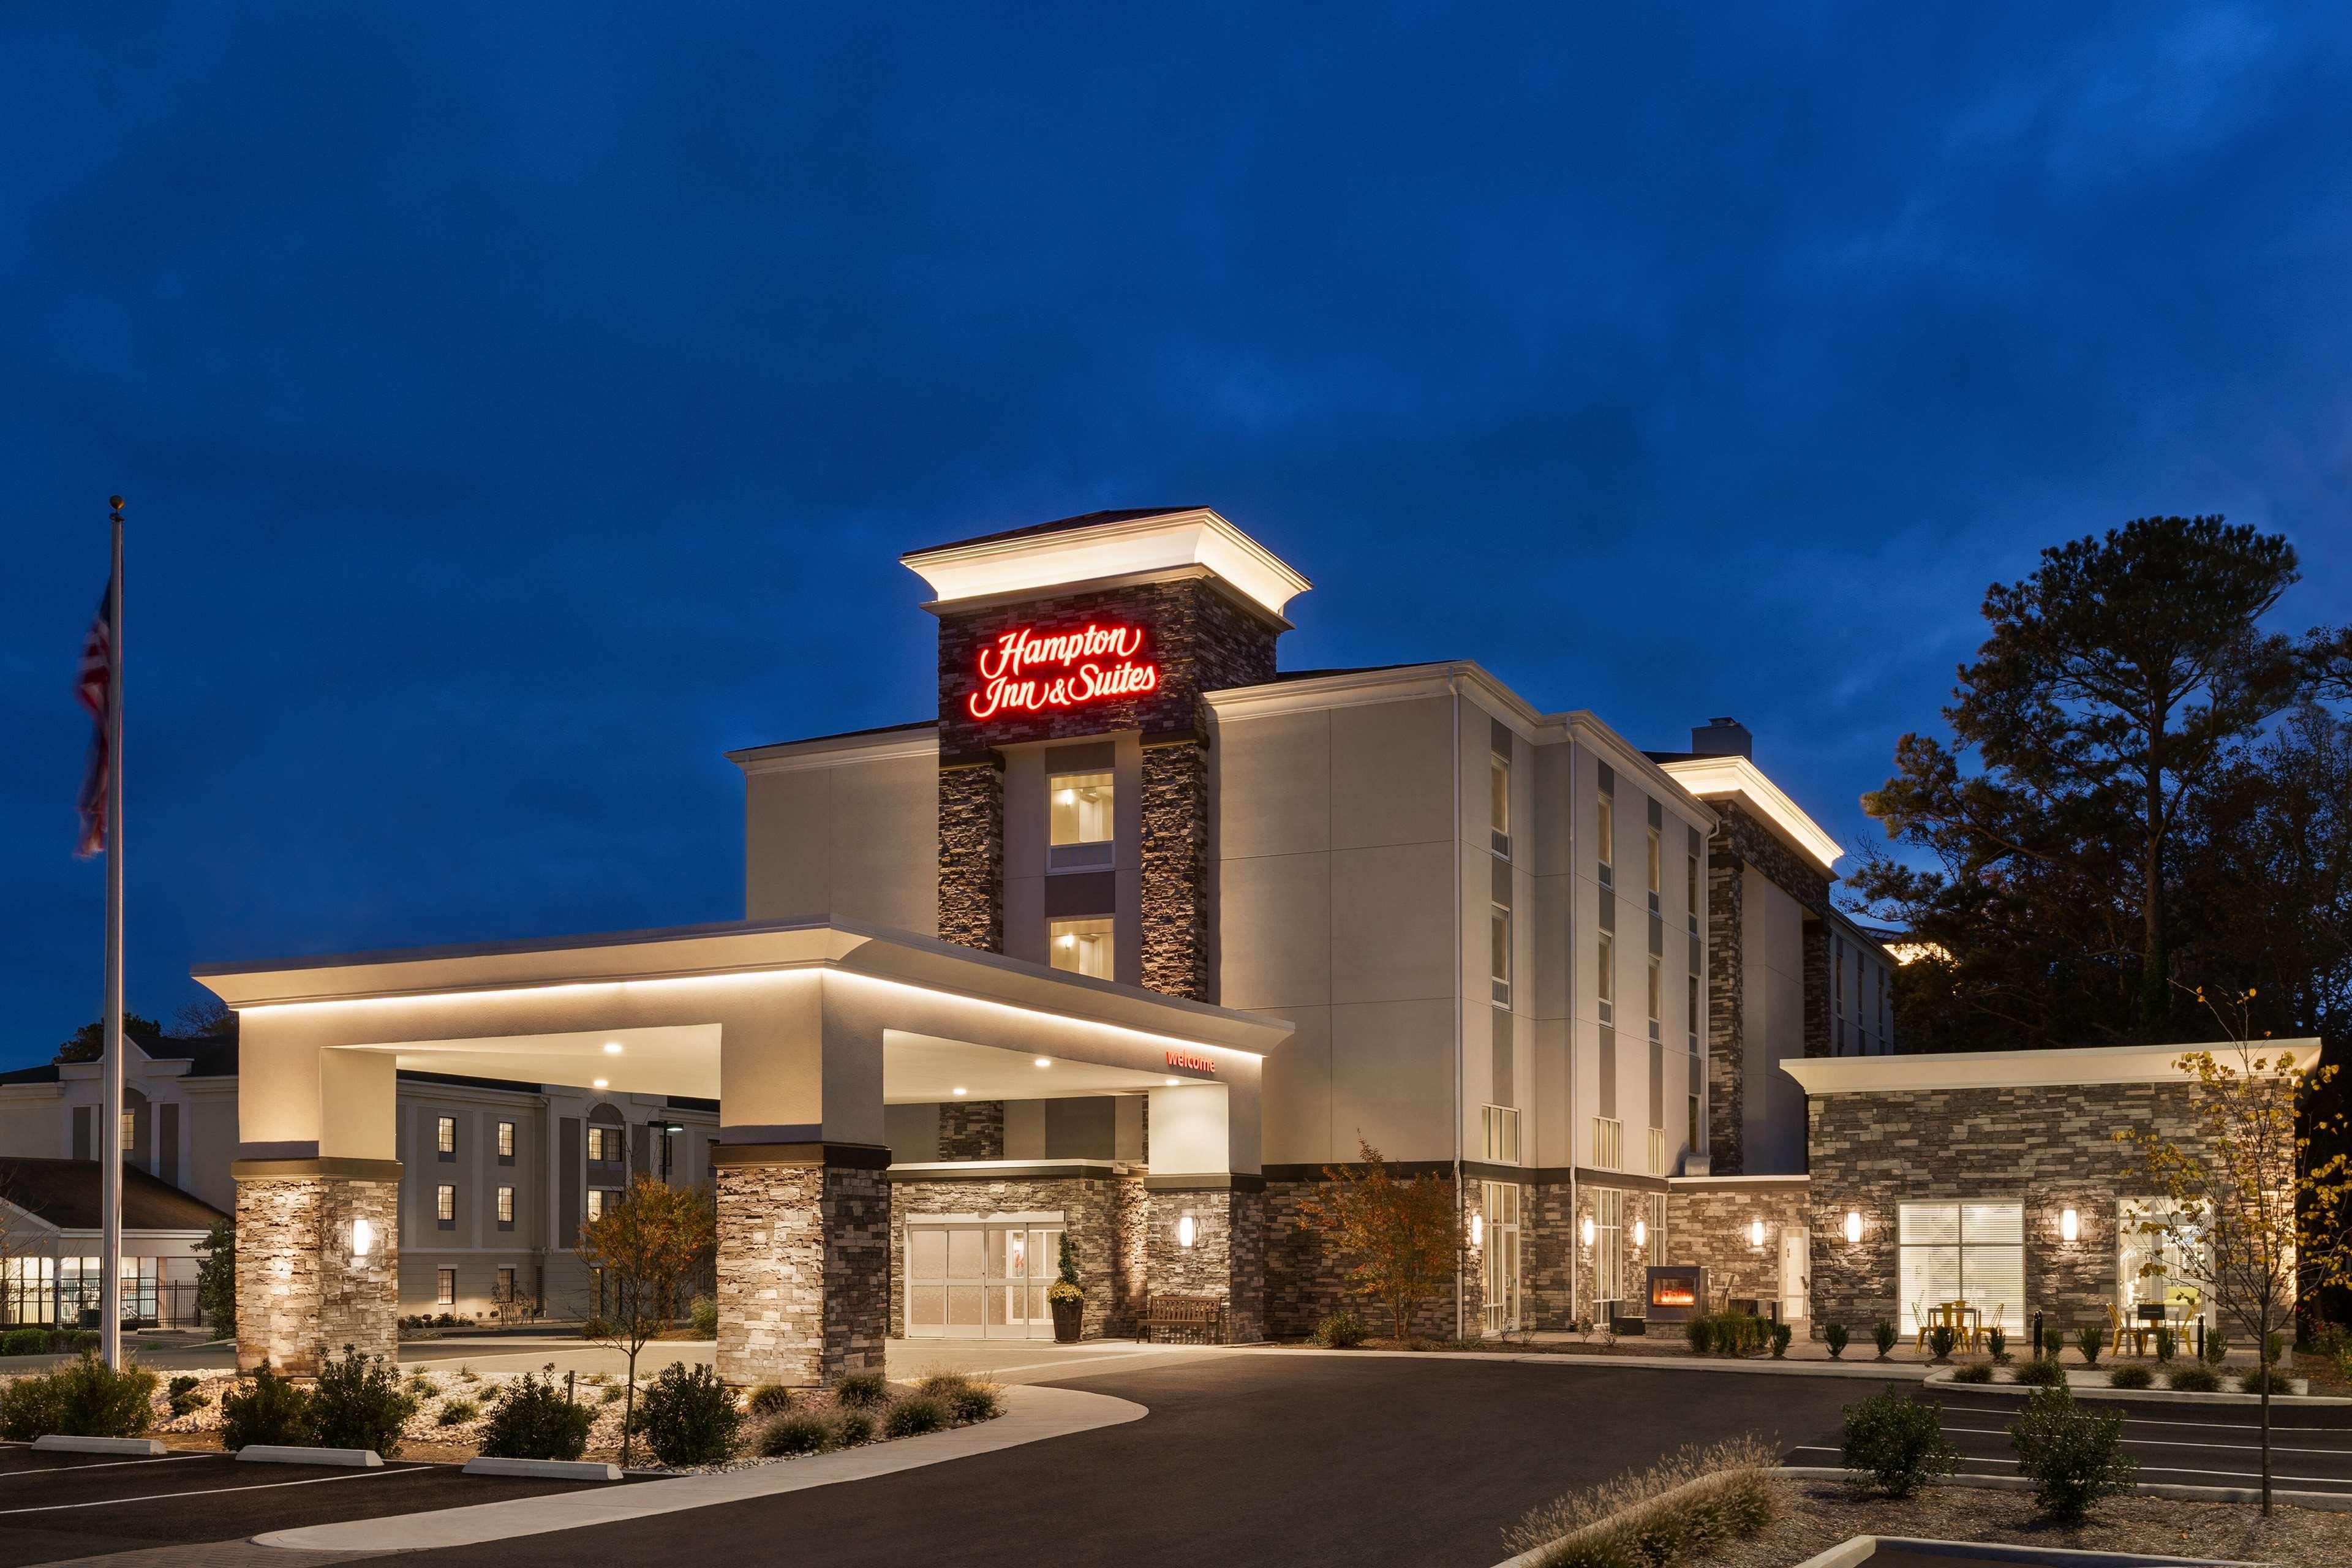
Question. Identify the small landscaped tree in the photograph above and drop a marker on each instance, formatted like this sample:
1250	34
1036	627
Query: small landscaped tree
1400	1241
2248	1211
648	1244
217	1279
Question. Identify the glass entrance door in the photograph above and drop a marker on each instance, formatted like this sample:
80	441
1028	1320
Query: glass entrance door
980	1279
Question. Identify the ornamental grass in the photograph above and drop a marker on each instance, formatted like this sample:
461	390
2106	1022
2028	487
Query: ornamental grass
1679	1509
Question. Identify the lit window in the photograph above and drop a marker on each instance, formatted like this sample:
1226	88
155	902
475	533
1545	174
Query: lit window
445	1136
1499	789
1500	1124
596	1203
129	1128
1657	1225
1082	947
605	1145
444	1205
1604	976
1657	969
1498	930
444	1293
506	1139
1609	1262
506	1285
1608	1144
1657	1151
1604	840
1078	821
506	1205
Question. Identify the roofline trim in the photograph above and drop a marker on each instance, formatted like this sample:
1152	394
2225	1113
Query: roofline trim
1733	774
2074	1066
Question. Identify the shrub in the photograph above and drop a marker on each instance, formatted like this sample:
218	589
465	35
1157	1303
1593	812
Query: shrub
2053	1341
852	1427
182	1392
1897	1443
615	1392
1836	1337
1940	1341
24	1341
2253	1382
595	1329
86	1398
2044	1371
1699	1330
1882	1333
2074	1457
533	1420
2273	1347
688	1417
1731	1333
456	1413
1975	1371
2090	1339
788	1436
914	1416
423	1386
965	1400
2195	1380
1781	1335
2217	1344
272	1411
1996	1341
1718	1495
1340	1331
2165	1346
863	1391
2131	1377
770	1399
703	1313
358	1402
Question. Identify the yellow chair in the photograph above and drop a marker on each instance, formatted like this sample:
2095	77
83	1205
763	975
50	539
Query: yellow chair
2117	1333
1920	1316
1985	1325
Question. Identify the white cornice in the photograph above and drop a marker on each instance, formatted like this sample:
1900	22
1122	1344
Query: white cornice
2031	1069
920	739
1727	778
1032	563
1627	757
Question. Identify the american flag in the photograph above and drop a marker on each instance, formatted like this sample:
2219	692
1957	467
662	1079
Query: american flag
91	686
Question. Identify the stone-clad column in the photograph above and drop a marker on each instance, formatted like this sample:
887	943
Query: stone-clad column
318	1260
972	854
1174	853
804	1261
1727	1010
1226	1259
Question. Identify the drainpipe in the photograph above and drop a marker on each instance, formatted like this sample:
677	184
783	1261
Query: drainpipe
1460	1324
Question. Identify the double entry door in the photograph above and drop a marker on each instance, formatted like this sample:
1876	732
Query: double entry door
981	1279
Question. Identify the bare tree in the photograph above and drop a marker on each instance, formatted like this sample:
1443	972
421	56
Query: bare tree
647	1244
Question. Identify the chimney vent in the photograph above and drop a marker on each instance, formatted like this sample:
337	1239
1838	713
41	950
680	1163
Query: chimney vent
1724	737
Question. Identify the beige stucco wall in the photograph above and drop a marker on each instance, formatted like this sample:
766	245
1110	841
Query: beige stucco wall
858	838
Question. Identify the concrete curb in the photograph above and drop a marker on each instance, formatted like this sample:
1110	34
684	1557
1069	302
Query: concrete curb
1032	1413
2320	1502
283	1454
545	1469
60	1443
1876	1371
1858	1551
1942	1378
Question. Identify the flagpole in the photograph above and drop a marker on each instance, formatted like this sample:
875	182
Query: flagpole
110	1300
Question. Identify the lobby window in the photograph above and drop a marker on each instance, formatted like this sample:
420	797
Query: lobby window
1608	1248
506	1142
1608	1144
1658	993
1972	1252
506	1285
444	1206
1605	838
1695	1010
445	1137
1657	1151
1082	947
1604	976
1499	1203
505	1208
1498	790
1078	821
445	1286
1499	954
1500	1126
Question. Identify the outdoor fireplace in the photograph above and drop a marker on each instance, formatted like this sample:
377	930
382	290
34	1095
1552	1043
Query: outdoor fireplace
1677	1292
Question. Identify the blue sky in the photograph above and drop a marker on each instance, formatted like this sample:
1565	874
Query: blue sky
520	406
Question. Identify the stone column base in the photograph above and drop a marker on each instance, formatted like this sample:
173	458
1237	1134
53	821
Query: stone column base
309	1280
804	1261
1226	1259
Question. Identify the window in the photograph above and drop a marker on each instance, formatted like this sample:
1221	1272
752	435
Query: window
1690	890
1082	947
1078	821
505	1208
1690	1139
1604	976
129	1131
1500	1123
445	1137
506	1285
1657	872
669	1150
606	1145
444	1206
1657	1202
1604	840
1657	1151
1498	1204
1972	1252
599	1198
1609	1251
2161	1265
1608	1144
1695	1011
445	1286
506	1142
1657	987
1499	943
1498	792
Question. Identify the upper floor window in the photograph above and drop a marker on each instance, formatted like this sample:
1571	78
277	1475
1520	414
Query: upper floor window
1078	821
505	1208
1498	786
1695	1010
1657	1152
1604	840
1657	870
1082	947
1500	1125
445	1137
1690	890
129	1131
605	1145
1604	976
506	1142
1608	1144
1657	988
444	1205
1498	930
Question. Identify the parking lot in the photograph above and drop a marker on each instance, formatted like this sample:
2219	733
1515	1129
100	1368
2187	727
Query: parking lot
58	1506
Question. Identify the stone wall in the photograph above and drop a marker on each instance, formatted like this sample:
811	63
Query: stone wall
1175	868
1548	1255
971	856
1817	989
971	1130
1305	1281
1093	1212
1726	1011
302	1295
804	1273
1708	1223
1637	1256
1227	1258
2051	1148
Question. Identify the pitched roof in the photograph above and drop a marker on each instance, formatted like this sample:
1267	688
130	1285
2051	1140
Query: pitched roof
69	1195
45	1073
1059	525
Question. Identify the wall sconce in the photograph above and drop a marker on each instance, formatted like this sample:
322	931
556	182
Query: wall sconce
1184	1231
1853	1226
362	1238
1755	1233
1477	1230
1587	1230
2069	1225
1640	1232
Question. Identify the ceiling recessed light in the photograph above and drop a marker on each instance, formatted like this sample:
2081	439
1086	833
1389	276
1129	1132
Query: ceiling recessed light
603	1083
612	1047
1044	1061
959	1091
1175	1080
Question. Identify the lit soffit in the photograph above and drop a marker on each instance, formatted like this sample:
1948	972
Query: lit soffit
1716	778
1032	562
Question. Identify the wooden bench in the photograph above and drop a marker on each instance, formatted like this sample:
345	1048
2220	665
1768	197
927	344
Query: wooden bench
1202	1314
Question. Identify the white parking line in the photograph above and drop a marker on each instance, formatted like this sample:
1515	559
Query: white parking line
2171	1443
212	1491
103	1465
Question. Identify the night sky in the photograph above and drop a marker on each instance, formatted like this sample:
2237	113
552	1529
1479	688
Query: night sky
517	409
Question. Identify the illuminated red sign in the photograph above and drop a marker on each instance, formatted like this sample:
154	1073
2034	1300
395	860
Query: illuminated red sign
1026	672
1189	1062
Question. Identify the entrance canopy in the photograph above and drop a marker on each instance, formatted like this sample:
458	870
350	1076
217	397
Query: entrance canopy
801	1029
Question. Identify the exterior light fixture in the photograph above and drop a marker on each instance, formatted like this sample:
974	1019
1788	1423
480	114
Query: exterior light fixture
1853	1226
362	1238
960	1089
602	1083
612	1047
1587	1230
1174	1082
1044	1061
1755	1233
1640	1232
1184	1231
1477	1230
2070	1225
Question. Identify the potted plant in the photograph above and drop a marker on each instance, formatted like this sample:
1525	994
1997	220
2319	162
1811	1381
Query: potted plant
1069	1302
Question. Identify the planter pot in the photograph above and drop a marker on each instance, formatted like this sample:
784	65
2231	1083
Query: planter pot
1069	1318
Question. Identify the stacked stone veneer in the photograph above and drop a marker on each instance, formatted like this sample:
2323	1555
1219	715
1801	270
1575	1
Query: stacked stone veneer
971	1130
1740	841
1227	1258
302	1295
1101	1215
972	854
1306	1281
1175	865
1709	1222
804	1273
2050	1147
